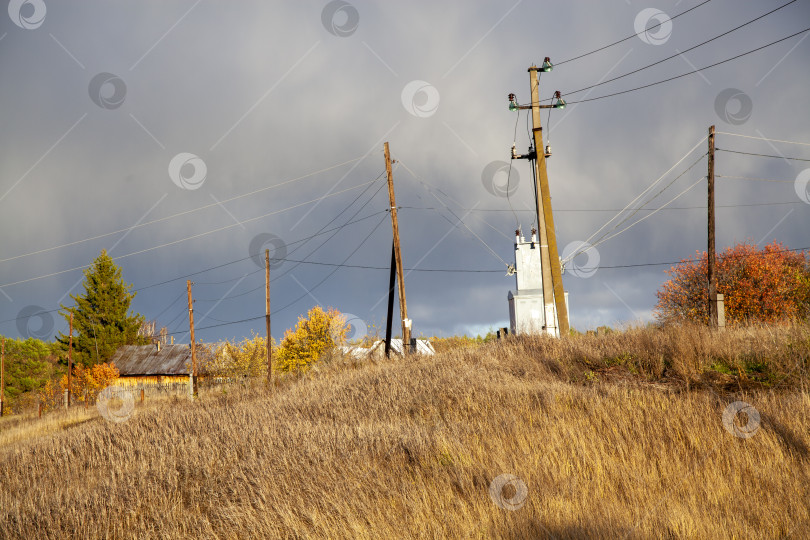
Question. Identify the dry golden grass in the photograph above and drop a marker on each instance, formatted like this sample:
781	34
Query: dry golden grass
602	431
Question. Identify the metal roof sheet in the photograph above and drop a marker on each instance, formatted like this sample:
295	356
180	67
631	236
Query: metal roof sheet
147	360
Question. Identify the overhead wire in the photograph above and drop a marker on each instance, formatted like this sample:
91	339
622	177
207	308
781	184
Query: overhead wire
651	199
605	239
330	274
191	237
340	228
640	195
204	270
430	190
173	302
755	179
336	229
509	173
679	53
690	72
761	155
618	209
631	36
761	138
178	214
607	236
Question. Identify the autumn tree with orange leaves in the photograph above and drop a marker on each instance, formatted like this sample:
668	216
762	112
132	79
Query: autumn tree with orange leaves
767	285
86	384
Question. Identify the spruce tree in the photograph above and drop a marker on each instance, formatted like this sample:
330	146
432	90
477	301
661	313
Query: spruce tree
101	319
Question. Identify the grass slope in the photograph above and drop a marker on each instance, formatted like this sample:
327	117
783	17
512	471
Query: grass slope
601	431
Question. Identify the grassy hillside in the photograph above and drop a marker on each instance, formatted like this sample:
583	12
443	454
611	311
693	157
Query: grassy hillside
607	437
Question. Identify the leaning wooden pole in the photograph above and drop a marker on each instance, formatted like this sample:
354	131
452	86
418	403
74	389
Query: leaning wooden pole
392	283
403	305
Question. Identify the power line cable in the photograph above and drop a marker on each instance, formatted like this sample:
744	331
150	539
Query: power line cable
173	302
761	155
618	209
303	242
586	245
231	297
193	236
756	179
330	274
509	173
640	195
698	261
605	239
761	138
648	201
631	36
690	72
338	229
246	258
165	282
186	212
169	324
679	53
429	190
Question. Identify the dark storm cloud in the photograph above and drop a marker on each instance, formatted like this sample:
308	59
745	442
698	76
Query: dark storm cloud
121	114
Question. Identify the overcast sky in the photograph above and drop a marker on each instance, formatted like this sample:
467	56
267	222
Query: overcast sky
229	119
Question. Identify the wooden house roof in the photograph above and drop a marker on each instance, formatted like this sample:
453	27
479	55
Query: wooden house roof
148	360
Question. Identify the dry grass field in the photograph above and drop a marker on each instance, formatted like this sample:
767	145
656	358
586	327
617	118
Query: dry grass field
616	436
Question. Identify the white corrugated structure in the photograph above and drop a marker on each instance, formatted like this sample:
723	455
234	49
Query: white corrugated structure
526	312
377	349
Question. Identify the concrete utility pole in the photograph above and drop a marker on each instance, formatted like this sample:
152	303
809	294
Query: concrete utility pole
267	315
193	350
553	291
711	247
70	358
403	305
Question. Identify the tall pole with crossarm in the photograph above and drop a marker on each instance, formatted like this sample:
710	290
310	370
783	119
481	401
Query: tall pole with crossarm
555	308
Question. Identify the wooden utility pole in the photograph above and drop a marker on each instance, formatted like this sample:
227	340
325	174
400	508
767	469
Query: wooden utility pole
2	376
711	247
403	305
70	357
193	350
267	315
553	291
391	284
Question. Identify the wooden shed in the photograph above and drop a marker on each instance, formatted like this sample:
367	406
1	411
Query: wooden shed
153	367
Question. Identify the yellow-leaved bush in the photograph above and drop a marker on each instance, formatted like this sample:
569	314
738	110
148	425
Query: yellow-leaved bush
314	337
247	358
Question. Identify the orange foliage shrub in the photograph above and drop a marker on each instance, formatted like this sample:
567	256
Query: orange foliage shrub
766	285
86	384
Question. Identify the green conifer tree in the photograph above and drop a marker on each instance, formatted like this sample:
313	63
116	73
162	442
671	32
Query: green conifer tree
101	319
